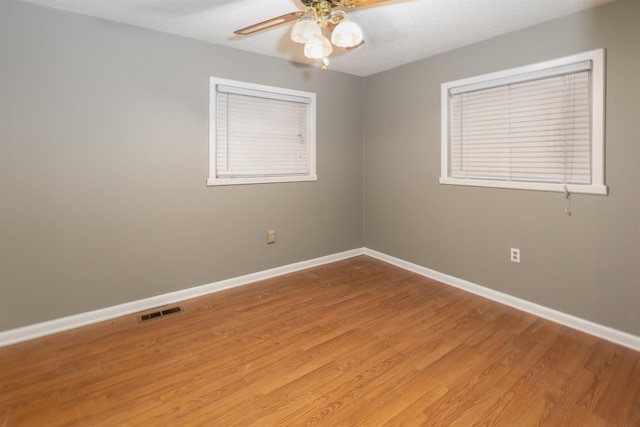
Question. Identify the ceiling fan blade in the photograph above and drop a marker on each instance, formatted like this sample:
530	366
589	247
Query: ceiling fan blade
360	3
269	23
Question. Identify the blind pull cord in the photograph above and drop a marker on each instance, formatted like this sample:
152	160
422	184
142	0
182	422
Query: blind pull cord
567	198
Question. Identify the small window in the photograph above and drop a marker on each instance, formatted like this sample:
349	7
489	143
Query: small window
260	134
538	127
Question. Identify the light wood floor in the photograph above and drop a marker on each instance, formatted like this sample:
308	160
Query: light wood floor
357	342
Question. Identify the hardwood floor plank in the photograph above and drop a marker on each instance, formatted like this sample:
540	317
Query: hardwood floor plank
355	342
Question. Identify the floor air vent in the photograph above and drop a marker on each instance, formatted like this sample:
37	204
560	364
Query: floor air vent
158	314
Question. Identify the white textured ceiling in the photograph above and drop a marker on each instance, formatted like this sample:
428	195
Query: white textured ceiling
396	32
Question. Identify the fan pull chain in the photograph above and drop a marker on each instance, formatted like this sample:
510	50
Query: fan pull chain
567	198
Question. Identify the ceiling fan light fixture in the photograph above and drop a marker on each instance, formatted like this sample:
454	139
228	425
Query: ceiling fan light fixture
318	48
318	17
347	34
305	30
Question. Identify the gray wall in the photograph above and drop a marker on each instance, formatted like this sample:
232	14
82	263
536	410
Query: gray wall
587	265
104	161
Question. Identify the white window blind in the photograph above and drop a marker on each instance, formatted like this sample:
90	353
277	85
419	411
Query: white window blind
529	128
261	134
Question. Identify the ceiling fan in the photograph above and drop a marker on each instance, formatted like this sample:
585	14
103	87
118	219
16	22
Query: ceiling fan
319	17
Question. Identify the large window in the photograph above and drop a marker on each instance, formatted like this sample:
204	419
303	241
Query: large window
260	134
538	127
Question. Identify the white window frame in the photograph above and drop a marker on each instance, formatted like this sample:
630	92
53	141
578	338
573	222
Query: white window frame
269	92
521	74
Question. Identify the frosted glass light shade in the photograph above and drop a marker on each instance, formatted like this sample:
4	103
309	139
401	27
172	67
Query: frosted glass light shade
304	30
317	48
347	34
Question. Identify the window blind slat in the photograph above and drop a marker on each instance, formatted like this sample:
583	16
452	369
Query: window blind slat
537	130
258	136
533	75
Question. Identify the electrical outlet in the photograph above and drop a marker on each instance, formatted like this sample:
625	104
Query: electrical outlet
271	236
515	255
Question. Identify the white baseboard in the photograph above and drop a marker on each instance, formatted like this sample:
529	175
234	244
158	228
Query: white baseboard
600	331
50	327
38	330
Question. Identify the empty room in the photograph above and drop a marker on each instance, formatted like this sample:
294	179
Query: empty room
306	212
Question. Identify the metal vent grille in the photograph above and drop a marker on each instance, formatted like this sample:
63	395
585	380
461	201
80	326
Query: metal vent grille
161	313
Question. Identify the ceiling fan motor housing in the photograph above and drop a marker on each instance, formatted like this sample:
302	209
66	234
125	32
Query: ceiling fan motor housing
324	4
